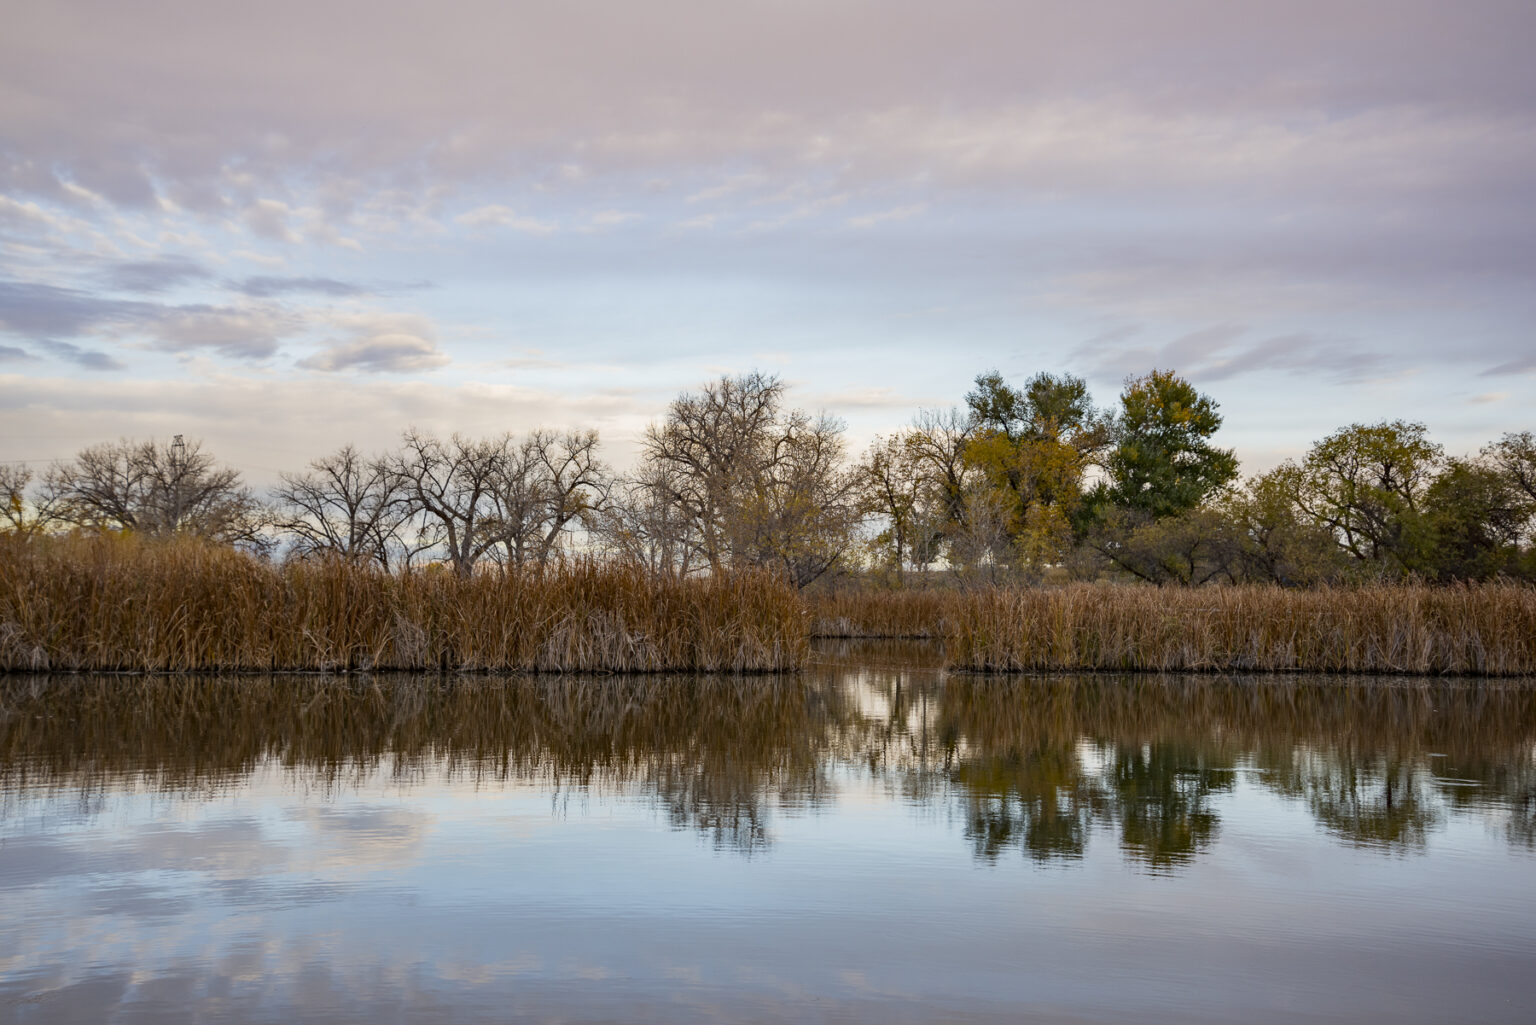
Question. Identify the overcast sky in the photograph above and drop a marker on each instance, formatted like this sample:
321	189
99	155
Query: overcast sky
284	226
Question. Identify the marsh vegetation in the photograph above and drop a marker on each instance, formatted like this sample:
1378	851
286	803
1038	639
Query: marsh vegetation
1021	530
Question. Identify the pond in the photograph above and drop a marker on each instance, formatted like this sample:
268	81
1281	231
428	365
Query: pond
872	840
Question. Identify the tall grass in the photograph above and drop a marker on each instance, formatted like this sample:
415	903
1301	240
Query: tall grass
1486	629
123	604
861	613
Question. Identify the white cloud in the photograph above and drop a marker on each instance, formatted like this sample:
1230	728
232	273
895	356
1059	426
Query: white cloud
391	343
611	218
495	215
269	260
900	213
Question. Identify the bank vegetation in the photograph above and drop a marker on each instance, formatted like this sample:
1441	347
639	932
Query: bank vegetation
122	603
1028	528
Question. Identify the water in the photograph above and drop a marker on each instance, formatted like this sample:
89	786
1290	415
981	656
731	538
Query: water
873	841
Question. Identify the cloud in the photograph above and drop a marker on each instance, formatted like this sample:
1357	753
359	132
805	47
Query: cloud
261	259
49	314
611	218
254	424
381	343
494	215
33	217
88	359
1340	181
530	359
1523	364
268	219
244	333
878	398
900	213
35	310
263	287
151	276
12	354
1225	351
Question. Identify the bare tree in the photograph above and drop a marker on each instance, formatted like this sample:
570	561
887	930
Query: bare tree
938	440
708	448
550	484
157	490
346	504
892	485
19	514
751	483
806	507
978	544
514	502
452	485
640	523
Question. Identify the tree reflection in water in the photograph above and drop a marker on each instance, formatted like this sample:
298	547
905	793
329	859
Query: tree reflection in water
1037	764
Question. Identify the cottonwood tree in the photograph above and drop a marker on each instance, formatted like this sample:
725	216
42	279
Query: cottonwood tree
1277	543
1514	456
707	451
938	440
1190	548
546	485
1473	520
805	507
452	486
515	502
641	524
155	489
19	512
1034	446
892	484
750	482
1366	484
348	505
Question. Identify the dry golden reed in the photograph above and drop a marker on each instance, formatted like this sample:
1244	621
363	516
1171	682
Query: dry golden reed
1482	629
860	613
124	604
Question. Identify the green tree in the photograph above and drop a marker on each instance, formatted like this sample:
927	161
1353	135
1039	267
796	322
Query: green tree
1276	543
1366	485
1162	463
1514	456
1191	548
1471	524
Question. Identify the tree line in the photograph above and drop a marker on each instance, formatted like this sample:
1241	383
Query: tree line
1025	483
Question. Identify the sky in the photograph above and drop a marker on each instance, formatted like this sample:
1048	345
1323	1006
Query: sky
282	227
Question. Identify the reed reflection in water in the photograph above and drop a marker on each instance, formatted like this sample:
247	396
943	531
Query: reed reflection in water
871	840
1040	763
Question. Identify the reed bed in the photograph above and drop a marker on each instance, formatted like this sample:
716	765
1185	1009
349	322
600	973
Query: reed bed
896	614
1483	630
122	604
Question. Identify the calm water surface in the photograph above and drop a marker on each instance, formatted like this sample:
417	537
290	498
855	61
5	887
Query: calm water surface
872	841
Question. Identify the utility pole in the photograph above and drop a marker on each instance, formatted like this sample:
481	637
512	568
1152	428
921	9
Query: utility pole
178	461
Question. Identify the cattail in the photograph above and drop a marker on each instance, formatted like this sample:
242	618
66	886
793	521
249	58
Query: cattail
125	604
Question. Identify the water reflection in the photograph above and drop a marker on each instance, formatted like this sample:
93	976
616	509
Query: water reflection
1042	766
873	841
